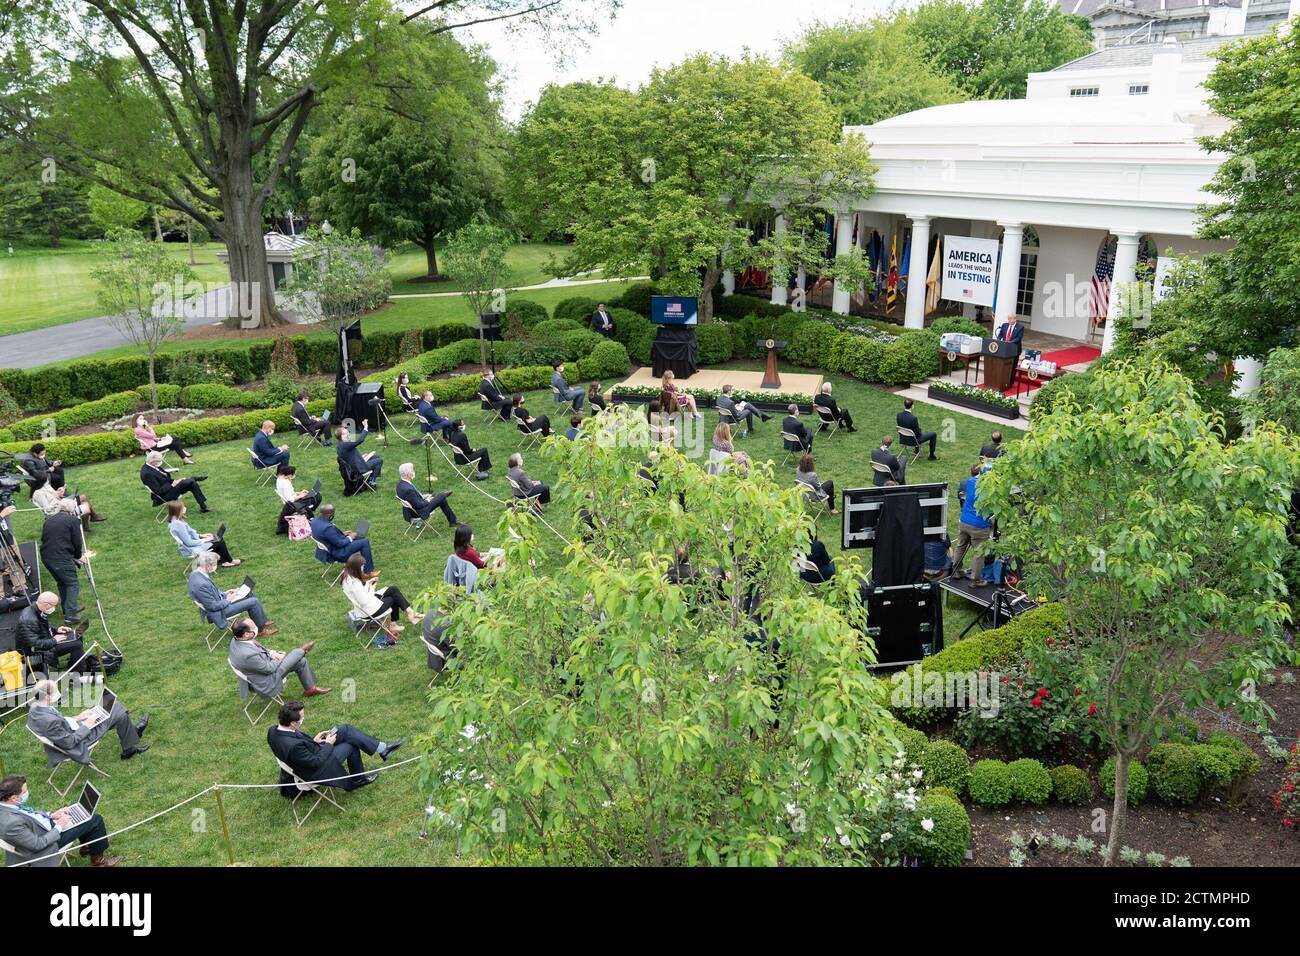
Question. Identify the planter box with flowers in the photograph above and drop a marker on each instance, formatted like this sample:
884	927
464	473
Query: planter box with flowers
979	399
773	401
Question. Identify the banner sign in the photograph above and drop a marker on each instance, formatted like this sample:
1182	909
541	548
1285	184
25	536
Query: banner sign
1164	266
673	310
970	270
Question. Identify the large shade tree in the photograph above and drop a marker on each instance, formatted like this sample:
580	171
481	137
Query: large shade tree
227	88
417	170
670	177
1163	543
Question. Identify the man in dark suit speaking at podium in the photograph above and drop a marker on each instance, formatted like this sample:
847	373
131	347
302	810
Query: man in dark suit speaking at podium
1012	331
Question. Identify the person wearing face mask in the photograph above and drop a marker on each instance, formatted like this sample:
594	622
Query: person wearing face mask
72	735
35	835
45	645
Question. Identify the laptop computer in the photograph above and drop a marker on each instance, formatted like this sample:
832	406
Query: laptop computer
221	533
315	489
84	808
101	711
363	529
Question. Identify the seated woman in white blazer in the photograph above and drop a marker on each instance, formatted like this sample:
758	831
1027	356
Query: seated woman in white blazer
192	544
360	590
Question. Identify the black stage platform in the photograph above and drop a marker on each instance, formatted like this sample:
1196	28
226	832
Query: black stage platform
997	605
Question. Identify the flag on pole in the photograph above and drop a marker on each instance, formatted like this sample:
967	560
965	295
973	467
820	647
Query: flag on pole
905	266
891	288
876	253
933	280
1101	280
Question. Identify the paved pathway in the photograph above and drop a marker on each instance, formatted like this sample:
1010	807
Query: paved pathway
553	284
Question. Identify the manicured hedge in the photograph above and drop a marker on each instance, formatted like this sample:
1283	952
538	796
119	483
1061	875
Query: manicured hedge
636	298
91	379
578	308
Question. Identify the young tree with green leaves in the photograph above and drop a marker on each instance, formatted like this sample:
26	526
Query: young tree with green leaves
476	256
678	169
138	286
344	279
1162	543
227	87
612	702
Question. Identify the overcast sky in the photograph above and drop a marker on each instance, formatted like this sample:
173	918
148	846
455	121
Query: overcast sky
650	33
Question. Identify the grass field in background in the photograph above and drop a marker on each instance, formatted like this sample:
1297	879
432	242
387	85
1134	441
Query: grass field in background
525	260
199	736
40	288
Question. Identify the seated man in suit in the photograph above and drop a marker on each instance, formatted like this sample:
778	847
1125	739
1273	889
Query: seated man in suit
422	505
71	735
43	645
347	451
269	455
35	835
326	757
740	411
40	469
527	487
318	428
430	420
825	564
792	425
994	447
841	415
341	544
601	322
883	456
164	488
465	453
566	393
488	387
220	606
267	670
907	419
574	429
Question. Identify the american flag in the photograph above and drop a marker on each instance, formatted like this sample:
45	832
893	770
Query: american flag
1101	279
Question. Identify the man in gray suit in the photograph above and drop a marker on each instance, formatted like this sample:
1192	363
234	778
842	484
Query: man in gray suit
739	411
218	608
71	735
35	835
267	670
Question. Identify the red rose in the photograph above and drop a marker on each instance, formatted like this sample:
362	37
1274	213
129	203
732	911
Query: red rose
1020	682
1042	692
1037	702
1092	710
1078	692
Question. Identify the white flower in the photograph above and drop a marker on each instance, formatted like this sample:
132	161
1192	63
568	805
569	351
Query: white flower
927	825
902	754
886	837
917	774
844	840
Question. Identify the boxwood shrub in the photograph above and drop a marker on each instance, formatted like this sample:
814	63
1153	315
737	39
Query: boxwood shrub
1030	781
636	298
811	344
945	764
578	308
947	842
990	783
1070	784
912	357
1185	772
714	344
1137	780
636	332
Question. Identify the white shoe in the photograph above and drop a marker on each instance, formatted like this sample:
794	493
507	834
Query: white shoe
697	416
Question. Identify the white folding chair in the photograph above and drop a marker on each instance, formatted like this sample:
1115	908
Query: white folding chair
830	424
63	853
520	496
787	439
562	402
67	757
717	461
306	437
264	471
367	626
907	438
464	461
413	521
880	469
726	418
305	786
215	634
493	411
436	651
818	502
252	695
803	564
323	556
528	436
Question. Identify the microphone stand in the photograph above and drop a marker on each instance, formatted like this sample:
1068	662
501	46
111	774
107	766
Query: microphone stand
428	461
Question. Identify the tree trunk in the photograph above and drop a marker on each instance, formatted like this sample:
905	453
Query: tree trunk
431	260
189	238
711	275
153	388
157	223
250	281
1119	812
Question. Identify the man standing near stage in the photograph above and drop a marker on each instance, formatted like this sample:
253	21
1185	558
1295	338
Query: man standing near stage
974	528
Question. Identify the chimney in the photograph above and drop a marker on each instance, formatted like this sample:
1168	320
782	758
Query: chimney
1166	64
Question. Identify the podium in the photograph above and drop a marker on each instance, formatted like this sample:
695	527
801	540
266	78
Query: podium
771	377
1000	359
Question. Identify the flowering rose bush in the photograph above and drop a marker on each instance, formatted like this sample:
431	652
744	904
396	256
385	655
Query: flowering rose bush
1287	798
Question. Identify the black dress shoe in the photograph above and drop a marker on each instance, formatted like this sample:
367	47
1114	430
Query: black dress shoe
137	749
141	724
367	780
205	510
389	748
200	477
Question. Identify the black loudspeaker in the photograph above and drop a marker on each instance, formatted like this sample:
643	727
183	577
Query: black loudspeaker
489	326
906	623
365	398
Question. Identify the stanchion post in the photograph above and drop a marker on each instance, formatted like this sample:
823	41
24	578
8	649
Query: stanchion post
225	827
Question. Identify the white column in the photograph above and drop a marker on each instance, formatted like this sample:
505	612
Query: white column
917	267
1013	240
1247	370
840	300
1126	257
780	280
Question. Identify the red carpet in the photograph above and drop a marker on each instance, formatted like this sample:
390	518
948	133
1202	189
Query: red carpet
1070	356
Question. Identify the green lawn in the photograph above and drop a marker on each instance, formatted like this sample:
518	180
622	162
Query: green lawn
525	259
401	314
198	735
40	288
